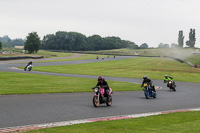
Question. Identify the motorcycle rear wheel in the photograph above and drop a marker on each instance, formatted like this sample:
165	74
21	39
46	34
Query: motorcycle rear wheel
154	95
95	101
109	103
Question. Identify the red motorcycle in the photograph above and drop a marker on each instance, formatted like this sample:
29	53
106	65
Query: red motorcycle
99	97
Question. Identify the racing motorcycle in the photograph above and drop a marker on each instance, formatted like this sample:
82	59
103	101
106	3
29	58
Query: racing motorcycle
99	96
148	92
28	68
172	85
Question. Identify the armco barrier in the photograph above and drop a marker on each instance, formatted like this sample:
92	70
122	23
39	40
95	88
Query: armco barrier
189	63
21	57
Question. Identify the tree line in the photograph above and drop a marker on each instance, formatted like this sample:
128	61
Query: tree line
7	42
74	41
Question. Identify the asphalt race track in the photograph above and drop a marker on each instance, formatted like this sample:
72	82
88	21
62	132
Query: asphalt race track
19	110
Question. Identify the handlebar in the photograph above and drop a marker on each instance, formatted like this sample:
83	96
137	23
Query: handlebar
94	87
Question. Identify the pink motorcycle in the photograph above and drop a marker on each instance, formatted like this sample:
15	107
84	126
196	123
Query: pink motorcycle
99	97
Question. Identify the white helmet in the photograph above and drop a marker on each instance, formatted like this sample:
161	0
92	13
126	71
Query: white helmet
145	76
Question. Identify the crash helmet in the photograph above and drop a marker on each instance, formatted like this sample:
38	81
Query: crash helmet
166	76
100	79
145	77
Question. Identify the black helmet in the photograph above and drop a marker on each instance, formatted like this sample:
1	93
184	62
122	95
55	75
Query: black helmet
145	77
100	78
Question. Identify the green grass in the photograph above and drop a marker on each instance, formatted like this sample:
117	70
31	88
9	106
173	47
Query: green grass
46	54
49	54
154	68
174	52
20	83
166	123
194	59
82	57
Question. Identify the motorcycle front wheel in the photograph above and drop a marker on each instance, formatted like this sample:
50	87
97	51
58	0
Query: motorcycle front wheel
146	93
174	87
95	101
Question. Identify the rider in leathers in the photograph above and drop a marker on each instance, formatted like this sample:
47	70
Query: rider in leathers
102	83
30	63
166	79
148	81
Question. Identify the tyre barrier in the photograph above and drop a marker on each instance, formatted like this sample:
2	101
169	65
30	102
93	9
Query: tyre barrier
21	57
179	60
196	65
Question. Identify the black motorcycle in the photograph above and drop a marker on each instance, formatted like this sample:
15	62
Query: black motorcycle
172	85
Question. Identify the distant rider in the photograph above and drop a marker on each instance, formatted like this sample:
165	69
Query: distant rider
148	81
102	83
167	79
30	63
97	57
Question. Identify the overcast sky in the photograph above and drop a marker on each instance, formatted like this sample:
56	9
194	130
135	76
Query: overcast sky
140	21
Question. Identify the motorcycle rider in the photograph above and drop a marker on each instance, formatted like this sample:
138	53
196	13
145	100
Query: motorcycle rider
166	79
30	63
102	83
148	81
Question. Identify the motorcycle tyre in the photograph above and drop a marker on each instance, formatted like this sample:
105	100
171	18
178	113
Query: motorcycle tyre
174	87
146	94
95	102
154	95
110	102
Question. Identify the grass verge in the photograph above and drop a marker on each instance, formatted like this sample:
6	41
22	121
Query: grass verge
154	68
82	57
46	54
20	83
49	54
165	123
194	59
173	52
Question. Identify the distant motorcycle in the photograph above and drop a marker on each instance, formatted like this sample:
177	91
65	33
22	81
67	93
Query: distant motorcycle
28	67
99	96
148	92
172	85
